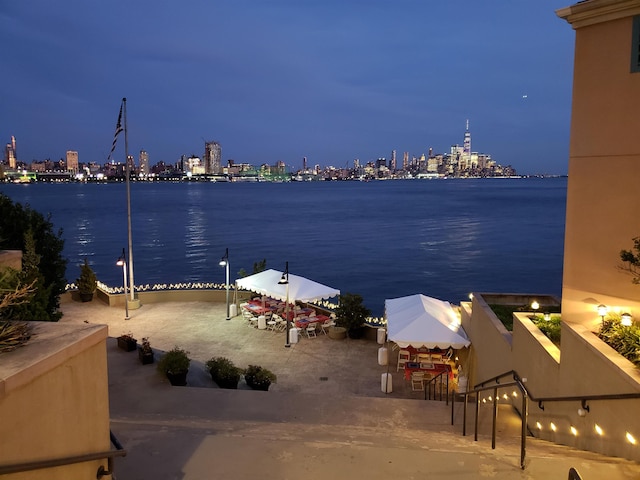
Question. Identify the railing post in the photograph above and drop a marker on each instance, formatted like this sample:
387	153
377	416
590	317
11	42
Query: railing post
495	418
464	415
475	438
453	402
523	433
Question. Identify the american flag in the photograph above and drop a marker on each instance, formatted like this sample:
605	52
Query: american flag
118	130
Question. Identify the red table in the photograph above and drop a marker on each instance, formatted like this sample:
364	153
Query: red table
432	368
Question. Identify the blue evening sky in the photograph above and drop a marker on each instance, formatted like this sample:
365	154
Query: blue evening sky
332	80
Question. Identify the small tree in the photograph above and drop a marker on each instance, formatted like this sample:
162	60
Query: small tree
258	267
631	261
86	282
351	314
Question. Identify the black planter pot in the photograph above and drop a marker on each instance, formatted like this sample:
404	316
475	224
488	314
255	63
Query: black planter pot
230	383
264	386
177	379
85	297
127	344
145	358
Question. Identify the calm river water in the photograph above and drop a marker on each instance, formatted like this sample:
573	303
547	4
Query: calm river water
384	239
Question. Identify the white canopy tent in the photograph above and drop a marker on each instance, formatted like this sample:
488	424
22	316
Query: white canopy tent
420	321
300	288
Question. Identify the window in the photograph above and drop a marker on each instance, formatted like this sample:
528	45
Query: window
635	45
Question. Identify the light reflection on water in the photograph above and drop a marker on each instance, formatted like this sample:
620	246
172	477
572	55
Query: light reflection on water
378	239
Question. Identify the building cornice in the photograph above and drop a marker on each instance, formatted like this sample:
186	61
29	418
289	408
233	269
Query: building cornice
591	12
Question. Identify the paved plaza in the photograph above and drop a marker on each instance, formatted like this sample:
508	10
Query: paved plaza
326	417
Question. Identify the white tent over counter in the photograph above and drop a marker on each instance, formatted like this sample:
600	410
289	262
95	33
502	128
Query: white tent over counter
420	321
300	288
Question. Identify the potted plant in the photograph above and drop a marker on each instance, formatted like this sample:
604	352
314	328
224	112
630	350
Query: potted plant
126	342
175	365
145	352
351	314
223	372
86	282
259	378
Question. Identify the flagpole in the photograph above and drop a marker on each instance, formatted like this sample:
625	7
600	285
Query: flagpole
127	175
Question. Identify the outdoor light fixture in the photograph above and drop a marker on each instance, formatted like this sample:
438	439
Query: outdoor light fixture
547	316
602	311
535	306
574	431
630	438
122	262
626	319
553	427
224	262
284	280
598	429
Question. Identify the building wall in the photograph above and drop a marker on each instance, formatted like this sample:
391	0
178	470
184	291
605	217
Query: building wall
604	160
54	400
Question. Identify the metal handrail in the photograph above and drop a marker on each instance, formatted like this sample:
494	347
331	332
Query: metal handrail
526	395
432	381
573	474
57	462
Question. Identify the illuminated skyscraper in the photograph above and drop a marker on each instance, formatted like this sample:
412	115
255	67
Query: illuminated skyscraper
212	158
467	148
72	161
143	160
10	157
392	164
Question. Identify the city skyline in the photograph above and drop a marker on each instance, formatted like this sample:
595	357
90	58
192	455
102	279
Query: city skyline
332	82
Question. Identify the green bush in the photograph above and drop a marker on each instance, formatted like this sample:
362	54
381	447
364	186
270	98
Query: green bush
351	314
258	377
551	328
86	282
174	361
224	372
625	340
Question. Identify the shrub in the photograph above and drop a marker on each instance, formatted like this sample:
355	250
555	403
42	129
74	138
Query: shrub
625	340
86	282
258	377
351	314
174	361
224	372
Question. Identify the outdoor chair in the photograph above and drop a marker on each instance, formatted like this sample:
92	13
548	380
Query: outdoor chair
403	357
326	324
311	330
417	381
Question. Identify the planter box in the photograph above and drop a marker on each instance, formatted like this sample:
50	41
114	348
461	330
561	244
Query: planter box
177	379
145	358
127	344
337	333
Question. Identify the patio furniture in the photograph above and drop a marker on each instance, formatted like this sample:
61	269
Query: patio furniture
311	330
417	381
403	357
326	324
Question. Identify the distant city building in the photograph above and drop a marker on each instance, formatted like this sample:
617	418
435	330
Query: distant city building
392	164
10	156
193	165
405	161
143	161
131	163
212	158
72	161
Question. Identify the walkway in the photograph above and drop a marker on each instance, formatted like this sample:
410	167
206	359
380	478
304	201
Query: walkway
325	418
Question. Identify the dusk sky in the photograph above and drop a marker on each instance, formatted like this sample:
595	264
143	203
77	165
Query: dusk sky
270	80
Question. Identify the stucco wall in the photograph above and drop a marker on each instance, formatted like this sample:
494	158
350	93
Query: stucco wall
54	400
604	172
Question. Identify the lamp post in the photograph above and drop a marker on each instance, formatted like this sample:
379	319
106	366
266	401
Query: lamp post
224	262
602	311
284	280
626	320
535	306
122	262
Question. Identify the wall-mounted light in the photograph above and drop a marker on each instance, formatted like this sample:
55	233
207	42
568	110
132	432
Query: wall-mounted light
630	438
598	429
553	427
538	425
584	409
574	431
626	319
471	296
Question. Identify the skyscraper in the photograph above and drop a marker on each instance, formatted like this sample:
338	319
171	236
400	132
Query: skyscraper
212	158
467	147
392	164
143	160
72	161
10	157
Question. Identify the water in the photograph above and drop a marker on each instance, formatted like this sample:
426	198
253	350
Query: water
386	239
